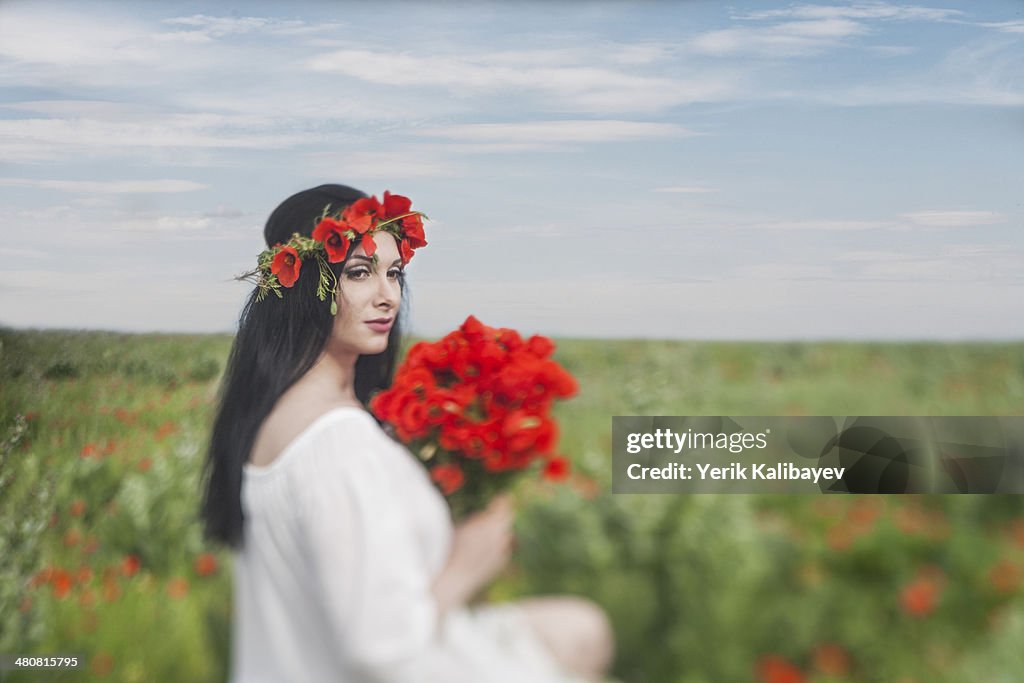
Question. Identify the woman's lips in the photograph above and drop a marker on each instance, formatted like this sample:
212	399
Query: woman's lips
382	325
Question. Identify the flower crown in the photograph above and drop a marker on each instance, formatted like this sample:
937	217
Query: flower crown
332	240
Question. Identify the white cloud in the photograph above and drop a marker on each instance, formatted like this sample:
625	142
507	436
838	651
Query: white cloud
827	225
954	219
107	186
786	39
868	255
1016	26
409	163
29	34
558	131
564	84
40	139
23	253
783	271
966	263
873	10
686	189
216	27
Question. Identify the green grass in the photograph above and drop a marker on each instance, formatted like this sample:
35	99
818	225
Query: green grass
700	588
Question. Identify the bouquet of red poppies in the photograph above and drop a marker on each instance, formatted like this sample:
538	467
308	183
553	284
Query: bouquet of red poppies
476	406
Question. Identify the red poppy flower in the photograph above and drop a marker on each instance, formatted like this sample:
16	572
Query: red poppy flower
130	565
87	598
831	659
556	469
1005	577
920	597
102	664
361	214
91	544
332	233
776	669
394	205
62	583
448	477
206	564
177	587
369	246
77	508
412	228
42	576
406	251
111	591
286	265
72	537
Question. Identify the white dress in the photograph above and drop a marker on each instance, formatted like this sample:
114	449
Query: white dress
344	534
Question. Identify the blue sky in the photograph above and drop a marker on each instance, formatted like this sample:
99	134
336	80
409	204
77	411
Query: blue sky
697	170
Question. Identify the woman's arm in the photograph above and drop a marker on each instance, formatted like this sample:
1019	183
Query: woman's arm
481	547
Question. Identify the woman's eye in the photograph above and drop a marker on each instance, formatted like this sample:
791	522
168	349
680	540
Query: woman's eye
396	274
357	273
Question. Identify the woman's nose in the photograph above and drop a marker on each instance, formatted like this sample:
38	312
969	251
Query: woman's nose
388	293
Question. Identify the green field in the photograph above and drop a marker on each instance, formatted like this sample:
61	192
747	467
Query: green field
101	555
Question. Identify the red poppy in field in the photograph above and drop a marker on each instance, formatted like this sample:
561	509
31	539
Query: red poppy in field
165	430
206	564
864	511
130	565
77	507
72	537
585	486
840	536
87	598
286	266
62	583
102	664
776	669
91	544
1017	532
556	469
177	588
145	464
920	597
83	574
831	660
111	590
88	450
44	575
1005	577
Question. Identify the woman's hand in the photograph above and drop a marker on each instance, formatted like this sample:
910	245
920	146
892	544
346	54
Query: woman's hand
481	547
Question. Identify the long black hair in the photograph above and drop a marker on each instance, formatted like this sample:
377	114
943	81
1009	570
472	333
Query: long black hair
278	341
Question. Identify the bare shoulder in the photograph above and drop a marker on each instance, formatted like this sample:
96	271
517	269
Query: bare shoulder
287	420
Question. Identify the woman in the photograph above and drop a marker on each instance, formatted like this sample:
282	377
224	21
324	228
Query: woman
347	566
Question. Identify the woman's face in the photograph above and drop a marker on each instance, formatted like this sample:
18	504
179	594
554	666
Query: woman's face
368	298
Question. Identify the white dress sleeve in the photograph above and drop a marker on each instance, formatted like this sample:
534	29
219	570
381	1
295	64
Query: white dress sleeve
363	556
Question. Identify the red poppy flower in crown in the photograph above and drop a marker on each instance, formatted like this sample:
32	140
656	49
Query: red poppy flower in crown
332	241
